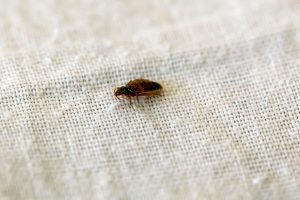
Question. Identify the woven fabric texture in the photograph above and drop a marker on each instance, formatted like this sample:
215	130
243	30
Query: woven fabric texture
226	127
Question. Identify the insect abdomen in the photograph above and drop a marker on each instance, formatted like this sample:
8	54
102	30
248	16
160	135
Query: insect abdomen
152	86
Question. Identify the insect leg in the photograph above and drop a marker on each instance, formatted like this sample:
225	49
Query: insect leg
130	101
137	98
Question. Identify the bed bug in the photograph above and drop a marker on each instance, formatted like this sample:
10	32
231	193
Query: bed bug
137	88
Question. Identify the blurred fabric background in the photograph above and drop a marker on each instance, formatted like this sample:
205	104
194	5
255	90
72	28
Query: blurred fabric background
226	127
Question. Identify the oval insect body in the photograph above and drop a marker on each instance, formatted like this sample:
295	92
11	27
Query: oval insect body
138	87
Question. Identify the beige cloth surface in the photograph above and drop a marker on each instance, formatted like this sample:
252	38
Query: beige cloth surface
226	127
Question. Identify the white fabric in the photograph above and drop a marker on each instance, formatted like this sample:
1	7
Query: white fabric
226	127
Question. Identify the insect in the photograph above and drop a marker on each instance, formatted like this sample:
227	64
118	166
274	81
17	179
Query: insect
138	87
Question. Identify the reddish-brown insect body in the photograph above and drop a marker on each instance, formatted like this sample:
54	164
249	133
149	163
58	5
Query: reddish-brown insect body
138	87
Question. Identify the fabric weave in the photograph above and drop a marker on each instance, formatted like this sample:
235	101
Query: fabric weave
226	127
